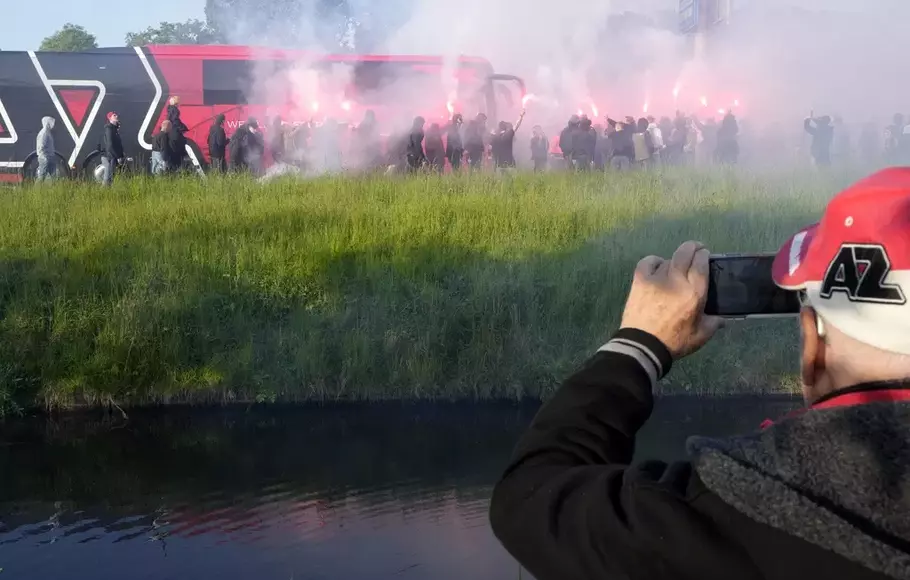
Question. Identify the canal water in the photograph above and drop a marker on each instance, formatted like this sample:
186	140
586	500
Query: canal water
353	493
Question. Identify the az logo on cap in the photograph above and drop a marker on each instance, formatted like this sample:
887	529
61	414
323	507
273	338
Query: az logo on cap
859	271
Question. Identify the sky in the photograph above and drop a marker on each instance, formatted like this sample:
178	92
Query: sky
109	22
111	26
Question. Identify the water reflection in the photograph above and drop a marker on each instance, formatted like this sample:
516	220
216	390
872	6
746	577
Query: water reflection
355	493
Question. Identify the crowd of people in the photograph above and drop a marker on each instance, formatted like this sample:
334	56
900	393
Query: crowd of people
646	142
330	146
581	145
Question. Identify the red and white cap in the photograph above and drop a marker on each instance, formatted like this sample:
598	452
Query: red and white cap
854	265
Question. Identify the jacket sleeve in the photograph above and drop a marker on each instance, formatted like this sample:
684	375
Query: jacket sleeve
173	115
42	147
569	505
108	142
117	144
564	144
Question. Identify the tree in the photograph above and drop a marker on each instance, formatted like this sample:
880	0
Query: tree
190	32
71	38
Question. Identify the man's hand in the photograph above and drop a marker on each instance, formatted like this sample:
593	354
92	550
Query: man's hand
667	300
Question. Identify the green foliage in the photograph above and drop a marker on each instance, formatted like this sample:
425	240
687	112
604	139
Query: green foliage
347	288
71	38
190	32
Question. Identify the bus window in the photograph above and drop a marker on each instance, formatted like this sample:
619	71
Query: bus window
244	82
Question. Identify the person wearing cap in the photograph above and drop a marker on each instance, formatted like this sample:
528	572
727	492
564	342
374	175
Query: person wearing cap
821	493
111	148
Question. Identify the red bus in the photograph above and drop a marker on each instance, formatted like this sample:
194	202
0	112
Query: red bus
79	89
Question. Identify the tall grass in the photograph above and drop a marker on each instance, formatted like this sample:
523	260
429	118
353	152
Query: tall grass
357	288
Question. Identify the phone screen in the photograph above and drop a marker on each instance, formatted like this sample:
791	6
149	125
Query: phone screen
742	286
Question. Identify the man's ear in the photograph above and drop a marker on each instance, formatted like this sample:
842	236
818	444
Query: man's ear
812	361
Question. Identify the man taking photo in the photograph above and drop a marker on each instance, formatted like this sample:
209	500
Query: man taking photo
823	493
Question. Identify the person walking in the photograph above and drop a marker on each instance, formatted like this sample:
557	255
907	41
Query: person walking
111	149
46	151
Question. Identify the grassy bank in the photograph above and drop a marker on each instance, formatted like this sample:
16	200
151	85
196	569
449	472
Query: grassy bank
479	287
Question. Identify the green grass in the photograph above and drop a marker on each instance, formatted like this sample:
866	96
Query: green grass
364	289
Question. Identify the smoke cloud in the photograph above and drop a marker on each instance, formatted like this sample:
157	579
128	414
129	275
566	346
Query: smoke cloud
774	62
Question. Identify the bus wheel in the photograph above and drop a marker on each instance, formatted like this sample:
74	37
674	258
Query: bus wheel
30	169
92	170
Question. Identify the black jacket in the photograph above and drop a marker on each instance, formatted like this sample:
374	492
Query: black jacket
822	494
161	143
584	141
822	137
246	147
622	144
217	138
566	144
173	115
176	147
237	147
112	146
502	147
415	144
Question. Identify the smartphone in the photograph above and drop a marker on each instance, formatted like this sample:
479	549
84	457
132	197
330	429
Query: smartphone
741	286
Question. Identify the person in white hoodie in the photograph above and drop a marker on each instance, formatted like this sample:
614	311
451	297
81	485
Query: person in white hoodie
47	154
657	139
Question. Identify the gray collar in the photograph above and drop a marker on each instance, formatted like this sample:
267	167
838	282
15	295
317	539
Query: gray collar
838	478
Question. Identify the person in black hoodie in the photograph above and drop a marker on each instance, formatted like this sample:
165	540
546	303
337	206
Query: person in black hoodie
218	142
414	153
822	136
111	148
246	147
161	149
584	142
565	141
236	151
173	114
176	149
474	141
254	147
727	151
502	144
435	148
622	145
454	143
178	131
